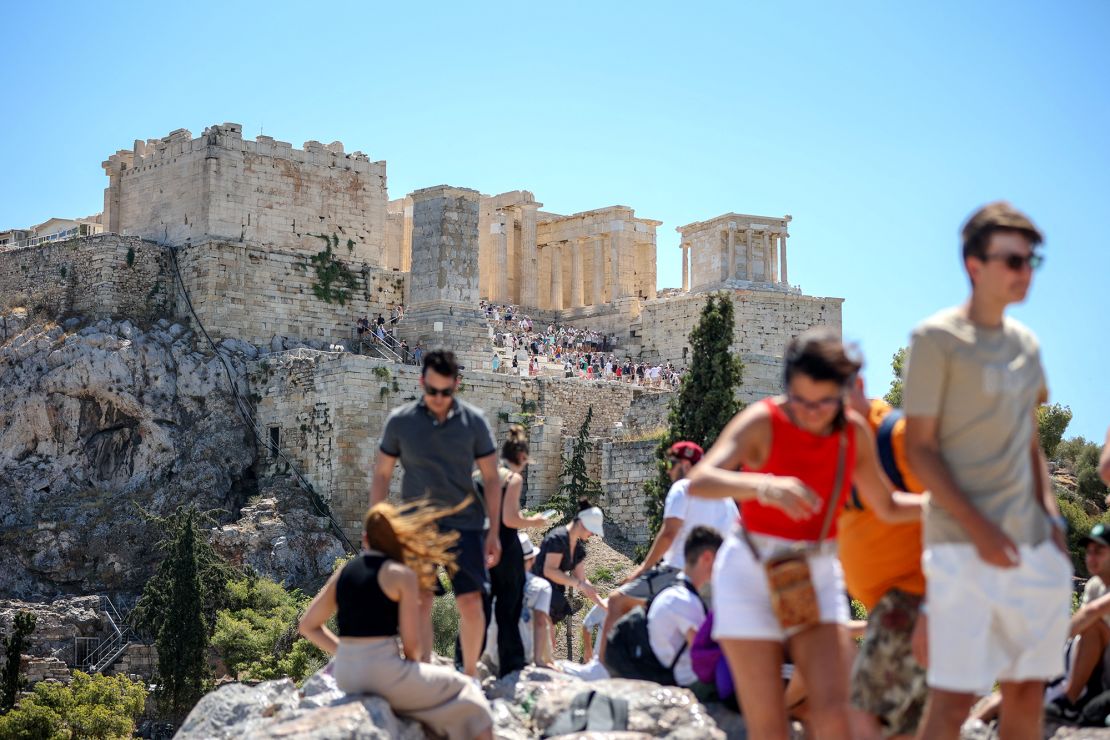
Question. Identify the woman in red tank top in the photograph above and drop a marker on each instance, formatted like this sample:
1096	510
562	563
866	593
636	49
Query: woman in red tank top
779	459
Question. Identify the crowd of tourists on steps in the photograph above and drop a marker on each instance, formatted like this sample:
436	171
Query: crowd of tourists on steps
939	517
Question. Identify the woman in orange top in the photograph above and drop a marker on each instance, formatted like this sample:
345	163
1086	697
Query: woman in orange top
779	460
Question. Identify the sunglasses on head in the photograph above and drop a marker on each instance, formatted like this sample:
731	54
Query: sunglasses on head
433	392
1017	262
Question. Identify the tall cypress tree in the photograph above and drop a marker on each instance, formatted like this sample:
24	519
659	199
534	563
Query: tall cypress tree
11	683
178	607
706	400
576	481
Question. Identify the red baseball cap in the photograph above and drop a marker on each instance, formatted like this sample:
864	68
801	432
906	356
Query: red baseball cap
686	451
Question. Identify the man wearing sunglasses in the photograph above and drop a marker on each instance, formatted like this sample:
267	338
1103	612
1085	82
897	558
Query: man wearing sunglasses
438	439
666	558
998	579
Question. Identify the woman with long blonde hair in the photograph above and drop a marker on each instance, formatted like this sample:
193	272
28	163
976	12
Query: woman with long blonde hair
376	596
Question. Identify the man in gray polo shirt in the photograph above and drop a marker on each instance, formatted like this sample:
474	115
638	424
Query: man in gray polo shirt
438	439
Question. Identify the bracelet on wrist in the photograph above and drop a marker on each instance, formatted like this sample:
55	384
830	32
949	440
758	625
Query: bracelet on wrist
1060	522
761	490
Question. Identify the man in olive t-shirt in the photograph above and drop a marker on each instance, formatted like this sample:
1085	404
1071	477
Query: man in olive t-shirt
998	577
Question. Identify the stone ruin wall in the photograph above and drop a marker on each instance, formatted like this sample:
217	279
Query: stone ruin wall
623	467
101	276
764	321
329	410
220	186
255	293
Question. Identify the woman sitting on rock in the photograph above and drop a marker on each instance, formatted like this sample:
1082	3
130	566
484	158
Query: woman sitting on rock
561	556
376	596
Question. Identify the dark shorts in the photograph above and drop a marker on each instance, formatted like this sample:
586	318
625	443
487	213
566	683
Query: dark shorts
886	679
470	556
651	583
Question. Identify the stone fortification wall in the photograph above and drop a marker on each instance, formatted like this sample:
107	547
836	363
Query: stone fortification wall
622	467
764	322
104	275
250	293
222	186
328	410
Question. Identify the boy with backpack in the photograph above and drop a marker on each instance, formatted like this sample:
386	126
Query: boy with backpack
652	643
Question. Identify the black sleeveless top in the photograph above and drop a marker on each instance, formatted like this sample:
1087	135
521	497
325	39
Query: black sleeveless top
364	609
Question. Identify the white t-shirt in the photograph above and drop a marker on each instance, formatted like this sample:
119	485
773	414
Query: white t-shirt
718	513
1093	590
674	612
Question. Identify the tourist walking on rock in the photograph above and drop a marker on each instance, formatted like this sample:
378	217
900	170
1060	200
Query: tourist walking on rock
882	568
666	558
507	577
998	576
438	439
376	598
561	556
791	461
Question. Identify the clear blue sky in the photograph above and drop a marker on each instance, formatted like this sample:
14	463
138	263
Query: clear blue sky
879	126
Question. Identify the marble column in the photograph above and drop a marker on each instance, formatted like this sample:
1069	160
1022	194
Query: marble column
575	246
529	266
685	266
501	266
731	252
616	290
782	259
599	272
749	268
774	258
766	237
557	277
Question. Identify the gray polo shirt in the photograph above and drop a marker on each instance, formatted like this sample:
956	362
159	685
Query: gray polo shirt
438	458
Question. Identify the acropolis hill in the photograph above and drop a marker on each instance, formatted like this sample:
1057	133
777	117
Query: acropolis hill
279	250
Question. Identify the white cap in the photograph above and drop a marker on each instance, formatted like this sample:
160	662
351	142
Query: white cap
526	545
592	519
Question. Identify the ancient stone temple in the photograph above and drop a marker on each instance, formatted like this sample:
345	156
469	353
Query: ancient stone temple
734	250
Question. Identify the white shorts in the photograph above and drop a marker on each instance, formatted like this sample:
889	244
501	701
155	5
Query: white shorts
988	623
742	600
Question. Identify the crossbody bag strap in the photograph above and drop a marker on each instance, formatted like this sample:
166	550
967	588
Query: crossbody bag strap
830	510
841	464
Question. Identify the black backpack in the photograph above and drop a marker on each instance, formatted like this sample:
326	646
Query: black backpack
628	652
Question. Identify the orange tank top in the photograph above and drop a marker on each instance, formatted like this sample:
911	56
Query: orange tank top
812	458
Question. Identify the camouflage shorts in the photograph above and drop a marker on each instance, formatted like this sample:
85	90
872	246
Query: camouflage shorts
886	679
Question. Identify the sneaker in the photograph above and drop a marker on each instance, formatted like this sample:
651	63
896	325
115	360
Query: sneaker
1061	708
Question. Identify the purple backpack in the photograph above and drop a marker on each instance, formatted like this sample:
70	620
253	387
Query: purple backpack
709	662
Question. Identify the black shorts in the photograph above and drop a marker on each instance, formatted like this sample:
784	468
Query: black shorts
470	556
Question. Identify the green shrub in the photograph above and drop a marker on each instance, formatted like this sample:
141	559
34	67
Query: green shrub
90	707
256	636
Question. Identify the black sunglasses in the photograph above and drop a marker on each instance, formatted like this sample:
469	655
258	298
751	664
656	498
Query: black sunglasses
1016	262
433	392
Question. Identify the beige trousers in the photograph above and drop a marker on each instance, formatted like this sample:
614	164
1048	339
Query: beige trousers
447	702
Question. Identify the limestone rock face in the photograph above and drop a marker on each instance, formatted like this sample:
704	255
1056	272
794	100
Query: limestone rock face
100	419
279	538
56	623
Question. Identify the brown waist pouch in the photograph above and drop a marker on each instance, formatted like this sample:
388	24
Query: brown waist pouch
793	596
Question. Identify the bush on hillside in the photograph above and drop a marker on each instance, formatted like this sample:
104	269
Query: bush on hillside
90	707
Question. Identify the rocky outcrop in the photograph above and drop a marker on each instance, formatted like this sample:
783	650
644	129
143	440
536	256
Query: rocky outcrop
101	422
279	537
524	705
57	624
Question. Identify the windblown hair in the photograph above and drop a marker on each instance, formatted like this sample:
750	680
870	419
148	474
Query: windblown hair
820	354
408	534
516	445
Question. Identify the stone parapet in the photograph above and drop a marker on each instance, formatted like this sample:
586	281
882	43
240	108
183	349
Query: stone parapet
327	411
178	189
252	293
103	276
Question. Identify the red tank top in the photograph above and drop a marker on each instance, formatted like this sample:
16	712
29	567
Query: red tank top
812	459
